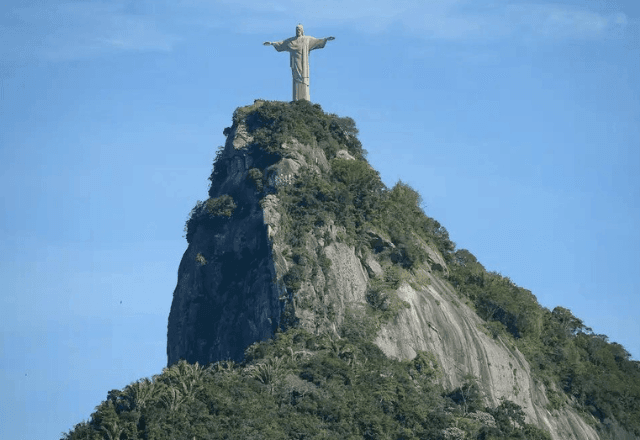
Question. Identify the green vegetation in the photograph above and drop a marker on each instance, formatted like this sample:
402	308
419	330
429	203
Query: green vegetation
299	386
200	259
565	354
382	295
351	195
256	176
205	212
222	206
275	123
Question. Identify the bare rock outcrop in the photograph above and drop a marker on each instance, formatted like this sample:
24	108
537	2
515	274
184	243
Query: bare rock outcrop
438	322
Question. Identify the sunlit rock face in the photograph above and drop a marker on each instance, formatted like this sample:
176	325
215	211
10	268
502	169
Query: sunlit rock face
439	323
231	287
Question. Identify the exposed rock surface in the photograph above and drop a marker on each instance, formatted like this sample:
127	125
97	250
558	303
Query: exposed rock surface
230	291
437	322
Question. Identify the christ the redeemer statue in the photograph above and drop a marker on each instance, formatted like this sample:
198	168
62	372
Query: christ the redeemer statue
299	48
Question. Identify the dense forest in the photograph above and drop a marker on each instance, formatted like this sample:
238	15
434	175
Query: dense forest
299	385
303	386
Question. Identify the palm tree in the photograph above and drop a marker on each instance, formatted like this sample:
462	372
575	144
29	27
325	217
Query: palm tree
269	372
182	382
109	422
220	366
188	378
111	429
141	393
172	399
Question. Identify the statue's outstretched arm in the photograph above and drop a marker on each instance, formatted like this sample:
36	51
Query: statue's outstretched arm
331	38
267	43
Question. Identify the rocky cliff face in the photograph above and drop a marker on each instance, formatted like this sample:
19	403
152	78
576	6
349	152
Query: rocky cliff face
226	297
242	278
437	322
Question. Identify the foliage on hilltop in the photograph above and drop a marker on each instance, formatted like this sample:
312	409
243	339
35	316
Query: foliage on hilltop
351	195
274	123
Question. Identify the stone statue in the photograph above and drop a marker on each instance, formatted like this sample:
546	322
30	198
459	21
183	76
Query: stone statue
299	48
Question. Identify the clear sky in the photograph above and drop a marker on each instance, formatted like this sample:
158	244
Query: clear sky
518	122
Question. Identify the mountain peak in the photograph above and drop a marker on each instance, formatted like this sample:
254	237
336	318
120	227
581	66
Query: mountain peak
299	232
324	304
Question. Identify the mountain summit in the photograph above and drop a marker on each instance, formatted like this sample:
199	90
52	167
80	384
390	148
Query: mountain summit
326	305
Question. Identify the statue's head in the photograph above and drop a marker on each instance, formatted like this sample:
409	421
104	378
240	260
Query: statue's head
299	30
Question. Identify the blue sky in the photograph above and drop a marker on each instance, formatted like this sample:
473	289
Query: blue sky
519	123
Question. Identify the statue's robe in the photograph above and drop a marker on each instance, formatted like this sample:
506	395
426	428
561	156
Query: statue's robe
299	48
